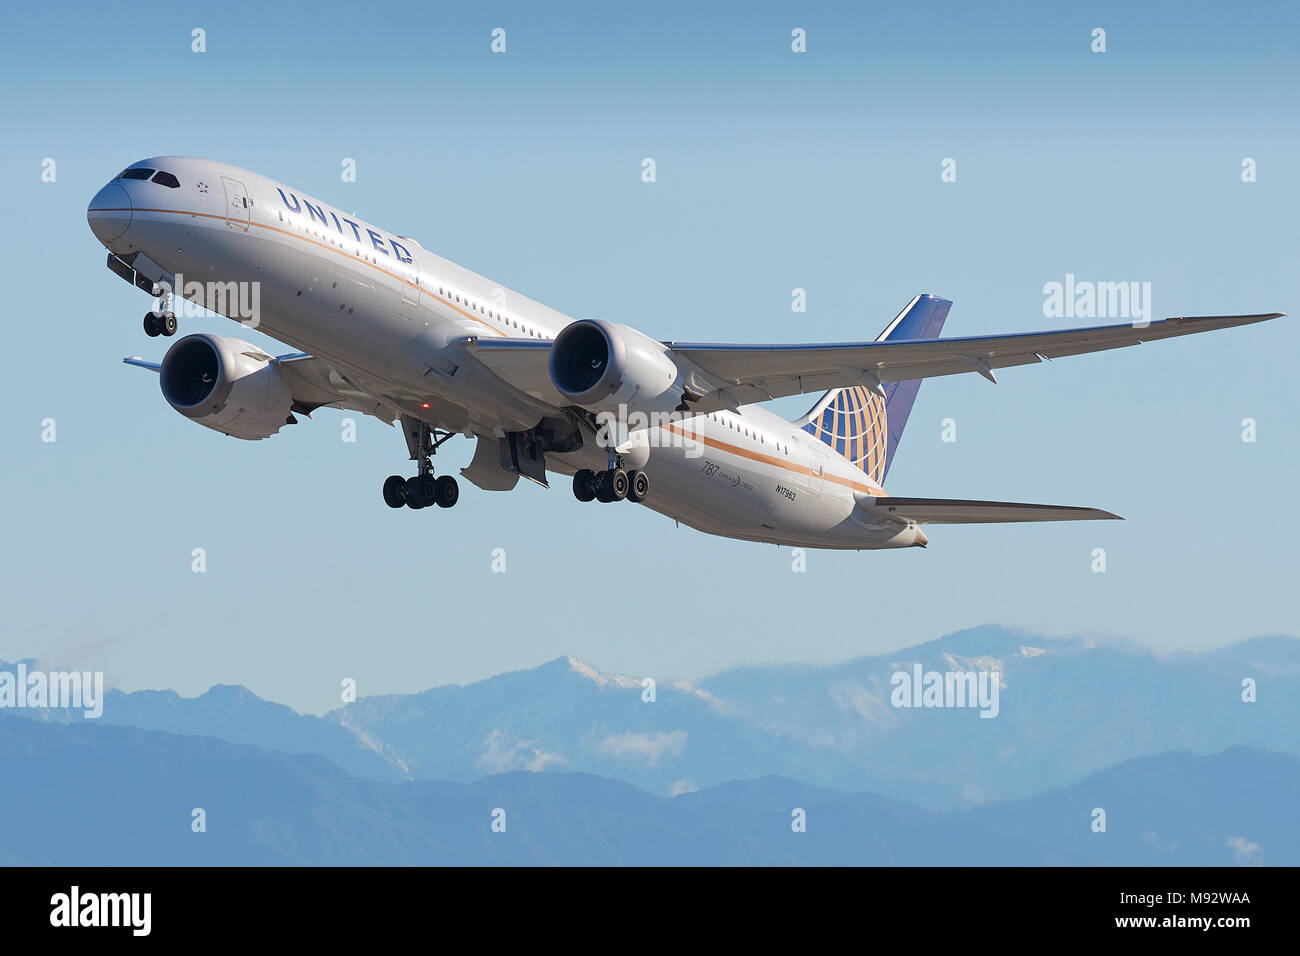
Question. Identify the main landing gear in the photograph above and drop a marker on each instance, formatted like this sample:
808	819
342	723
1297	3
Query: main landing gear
612	484
421	491
161	321
424	489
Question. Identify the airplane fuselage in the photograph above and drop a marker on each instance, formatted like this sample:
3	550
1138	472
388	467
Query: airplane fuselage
395	319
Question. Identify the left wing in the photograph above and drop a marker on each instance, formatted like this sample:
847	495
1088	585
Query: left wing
314	384
318	384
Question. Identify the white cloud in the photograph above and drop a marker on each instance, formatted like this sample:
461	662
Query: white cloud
650	747
1245	850
498	756
682	786
869	703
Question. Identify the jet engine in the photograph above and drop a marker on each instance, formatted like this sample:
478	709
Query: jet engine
602	365
227	385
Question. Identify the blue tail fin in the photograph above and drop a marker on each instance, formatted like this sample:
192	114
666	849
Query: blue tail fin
857	422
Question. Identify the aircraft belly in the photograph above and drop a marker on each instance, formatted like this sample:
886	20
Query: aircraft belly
724	493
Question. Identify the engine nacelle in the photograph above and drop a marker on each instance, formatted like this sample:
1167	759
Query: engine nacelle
602	365
222	384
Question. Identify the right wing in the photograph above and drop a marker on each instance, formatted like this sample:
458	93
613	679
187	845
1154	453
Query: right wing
727	376
756	373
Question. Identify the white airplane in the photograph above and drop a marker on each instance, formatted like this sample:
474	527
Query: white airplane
389	329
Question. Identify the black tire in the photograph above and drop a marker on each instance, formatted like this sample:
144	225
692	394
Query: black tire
151	326
446	492
168	324
419	492
600	485
584	485
411	489
639	486
395	491
618	484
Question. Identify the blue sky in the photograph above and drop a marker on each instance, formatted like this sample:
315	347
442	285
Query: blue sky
775	171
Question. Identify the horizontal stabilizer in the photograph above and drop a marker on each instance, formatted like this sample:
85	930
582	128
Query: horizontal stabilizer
959	511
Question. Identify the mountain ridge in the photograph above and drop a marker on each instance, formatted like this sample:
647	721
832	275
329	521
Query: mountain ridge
1068	707
127	796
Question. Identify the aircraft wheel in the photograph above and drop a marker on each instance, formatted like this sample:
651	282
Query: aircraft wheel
584	484
168	324
152	327
420	492
395	491
639	486
446	492
617	484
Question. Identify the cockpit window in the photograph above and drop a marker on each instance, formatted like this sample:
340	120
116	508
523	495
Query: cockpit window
167	179
137	173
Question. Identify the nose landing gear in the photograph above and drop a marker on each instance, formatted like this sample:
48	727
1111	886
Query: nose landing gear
162	320
423	489
155	324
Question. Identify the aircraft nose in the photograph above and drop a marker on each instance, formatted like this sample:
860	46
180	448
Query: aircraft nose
109	213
